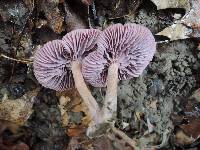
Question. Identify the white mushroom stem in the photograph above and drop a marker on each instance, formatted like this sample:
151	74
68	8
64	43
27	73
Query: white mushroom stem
85	93
110	104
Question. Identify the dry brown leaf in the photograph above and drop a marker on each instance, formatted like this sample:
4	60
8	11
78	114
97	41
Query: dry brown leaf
54	18
71	101
163	4
182	139
196	95
18	110
175	32
192	128
8	125
76	131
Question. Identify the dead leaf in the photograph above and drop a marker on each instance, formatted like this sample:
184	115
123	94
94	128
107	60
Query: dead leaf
11	144
175	32
54	18
188	26
70	101
75	131
182	139
191	19
192	128
18	110
172	4
8	125
196	95
64	116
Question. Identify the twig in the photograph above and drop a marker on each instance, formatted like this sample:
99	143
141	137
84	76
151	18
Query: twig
123	136
17	60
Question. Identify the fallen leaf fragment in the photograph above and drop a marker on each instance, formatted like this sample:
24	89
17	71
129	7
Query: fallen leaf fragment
18	146
70	101
9	143
54	17
8	125
76	131
18	110
196	95
182	139
163	4
64	100
192	19
192	128
175	32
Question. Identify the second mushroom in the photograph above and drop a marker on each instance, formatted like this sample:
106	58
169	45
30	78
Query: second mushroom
123	52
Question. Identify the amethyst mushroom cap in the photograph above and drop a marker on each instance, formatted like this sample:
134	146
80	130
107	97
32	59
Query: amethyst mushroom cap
57	65
123	52
52	67
52	62
131	46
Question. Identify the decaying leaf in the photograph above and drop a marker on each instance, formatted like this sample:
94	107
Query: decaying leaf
188	123
196	95
182	139
75	131
70	101
8	125
18	146
163	4
189	25
175	32
191	19
64	116
18	110
117	8
10	142
52	13
192	128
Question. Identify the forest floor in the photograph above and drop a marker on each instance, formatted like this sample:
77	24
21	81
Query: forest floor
158	110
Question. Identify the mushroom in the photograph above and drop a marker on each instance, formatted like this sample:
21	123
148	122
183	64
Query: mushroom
57	65
123	52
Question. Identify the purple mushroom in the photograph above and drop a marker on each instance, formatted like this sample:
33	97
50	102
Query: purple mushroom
57	65
123	52
52	67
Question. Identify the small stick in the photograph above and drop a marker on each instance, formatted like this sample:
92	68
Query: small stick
122	135
17	60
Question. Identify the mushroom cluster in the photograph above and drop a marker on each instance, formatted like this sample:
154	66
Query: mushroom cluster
101	58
